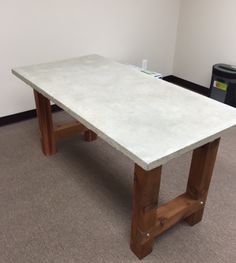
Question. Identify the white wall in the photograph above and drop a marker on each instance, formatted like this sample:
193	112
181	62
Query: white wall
206	36
33	31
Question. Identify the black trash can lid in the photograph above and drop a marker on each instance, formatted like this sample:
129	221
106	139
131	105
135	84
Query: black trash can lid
224	70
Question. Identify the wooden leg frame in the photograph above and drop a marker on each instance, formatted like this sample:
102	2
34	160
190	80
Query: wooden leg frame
50	134
149	220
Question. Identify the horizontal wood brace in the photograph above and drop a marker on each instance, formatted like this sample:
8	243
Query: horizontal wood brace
167	215
62	131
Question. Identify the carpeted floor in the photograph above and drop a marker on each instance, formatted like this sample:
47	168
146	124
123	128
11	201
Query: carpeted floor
75	206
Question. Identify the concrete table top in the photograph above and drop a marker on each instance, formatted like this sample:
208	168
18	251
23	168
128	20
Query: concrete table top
149	120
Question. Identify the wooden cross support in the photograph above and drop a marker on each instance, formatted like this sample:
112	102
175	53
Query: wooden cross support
50	134
149	221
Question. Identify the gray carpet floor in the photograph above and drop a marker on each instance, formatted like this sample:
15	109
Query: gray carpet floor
76	205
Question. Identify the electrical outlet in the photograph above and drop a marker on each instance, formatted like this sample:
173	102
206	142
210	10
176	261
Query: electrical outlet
144	64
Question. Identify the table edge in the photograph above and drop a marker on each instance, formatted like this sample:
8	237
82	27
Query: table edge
145	165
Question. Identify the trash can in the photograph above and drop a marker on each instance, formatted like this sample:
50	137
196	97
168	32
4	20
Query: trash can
223	84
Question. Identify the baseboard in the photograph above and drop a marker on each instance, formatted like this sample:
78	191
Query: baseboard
188	85
22	116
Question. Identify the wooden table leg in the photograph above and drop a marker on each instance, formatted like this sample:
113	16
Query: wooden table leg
49	134
144	216
44	114
201	170
149	220
90	136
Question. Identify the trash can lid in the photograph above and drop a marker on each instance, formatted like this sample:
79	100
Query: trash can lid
224	70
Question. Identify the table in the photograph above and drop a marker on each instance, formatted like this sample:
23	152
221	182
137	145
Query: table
149	120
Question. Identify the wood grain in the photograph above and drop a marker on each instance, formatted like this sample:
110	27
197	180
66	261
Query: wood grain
148	221
203	161
174	211
144	217
90	136
44	114
66	130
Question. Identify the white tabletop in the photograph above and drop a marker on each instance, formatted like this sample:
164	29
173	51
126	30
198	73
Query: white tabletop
149	120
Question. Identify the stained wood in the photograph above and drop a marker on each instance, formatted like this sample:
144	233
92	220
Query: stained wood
90	136
148	221
203	161
49	134
174	211
66	130
167	215
44	114
145	201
